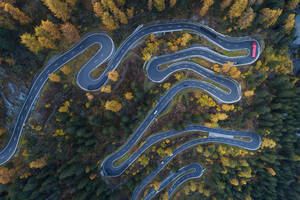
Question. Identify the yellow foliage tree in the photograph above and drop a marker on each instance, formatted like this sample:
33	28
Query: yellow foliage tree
113	106
167	86
39	163
128	95
204	100
14	12
113	75
237	8
98	9
172	3
226	67
2	130
249	93
47	29
144	160
218	116
47	43
234	182
289	23
292	4
268	143
269	17
159	5
31	42
225	4
65	107
227	107
59	8
245	173
54	77
70	32
6	175
106	89
65	69
206	5
130	12
246	19
156	185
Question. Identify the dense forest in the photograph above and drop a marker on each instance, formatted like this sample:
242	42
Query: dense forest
71	131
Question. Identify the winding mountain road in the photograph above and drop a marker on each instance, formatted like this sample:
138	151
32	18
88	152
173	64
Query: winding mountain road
107	52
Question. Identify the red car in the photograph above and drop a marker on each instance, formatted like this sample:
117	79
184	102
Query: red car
254	46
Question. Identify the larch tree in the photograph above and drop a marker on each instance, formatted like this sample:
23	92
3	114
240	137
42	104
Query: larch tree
72	3
149	5
292	4
47	29
206	5
289	23
113	105
98	9
121	2
54	77
237	8
225	4
31	42
172	3
130	12
59	8
159	5
46	42
109	22
70	32
246	19
269	17
16	13
113	75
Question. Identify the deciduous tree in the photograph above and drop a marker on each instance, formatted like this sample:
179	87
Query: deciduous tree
205	6
31	42
54	77
159	5
237	8
59	8
289	23
113	105
246	19
269	17
70	32
113	75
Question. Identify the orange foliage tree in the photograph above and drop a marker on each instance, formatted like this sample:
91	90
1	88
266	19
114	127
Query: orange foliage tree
70	32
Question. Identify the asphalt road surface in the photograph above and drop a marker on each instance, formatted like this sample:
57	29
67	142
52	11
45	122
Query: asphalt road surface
107	52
